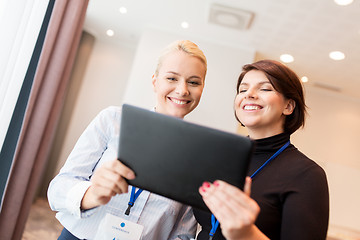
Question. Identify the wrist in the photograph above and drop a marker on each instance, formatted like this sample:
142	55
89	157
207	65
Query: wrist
87	201
253	233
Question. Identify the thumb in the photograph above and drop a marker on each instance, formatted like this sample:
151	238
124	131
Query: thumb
247	186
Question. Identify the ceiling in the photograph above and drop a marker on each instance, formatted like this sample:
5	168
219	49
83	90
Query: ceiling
307	29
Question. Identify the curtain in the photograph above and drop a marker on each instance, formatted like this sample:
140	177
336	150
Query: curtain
42	114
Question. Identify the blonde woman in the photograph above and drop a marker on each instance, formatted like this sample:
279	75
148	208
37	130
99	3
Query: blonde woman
91	186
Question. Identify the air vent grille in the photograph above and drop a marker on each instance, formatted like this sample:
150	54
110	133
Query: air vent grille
230	17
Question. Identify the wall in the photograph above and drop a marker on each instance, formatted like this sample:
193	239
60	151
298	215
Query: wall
330	138
103	85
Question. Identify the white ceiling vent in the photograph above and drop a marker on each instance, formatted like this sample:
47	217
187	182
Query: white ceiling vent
230	17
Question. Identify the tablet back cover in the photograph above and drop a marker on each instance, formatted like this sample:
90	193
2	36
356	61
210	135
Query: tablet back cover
172	157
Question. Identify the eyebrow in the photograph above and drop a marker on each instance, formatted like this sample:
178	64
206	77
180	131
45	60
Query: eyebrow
259	83
175	73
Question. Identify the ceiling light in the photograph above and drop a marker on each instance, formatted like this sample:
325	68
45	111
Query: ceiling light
304	79
337	55
110	33
343	2
286	58
185	25
123	10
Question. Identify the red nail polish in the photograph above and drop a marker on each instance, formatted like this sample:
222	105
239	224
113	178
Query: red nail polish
206	184
216	183
202	189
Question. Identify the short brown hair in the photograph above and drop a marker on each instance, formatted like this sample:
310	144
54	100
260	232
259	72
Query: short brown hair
286	82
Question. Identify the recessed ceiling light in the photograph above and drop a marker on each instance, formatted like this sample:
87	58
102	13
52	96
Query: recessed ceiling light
337	55
110	33
286	58
123	10
185	25
304	79
343	2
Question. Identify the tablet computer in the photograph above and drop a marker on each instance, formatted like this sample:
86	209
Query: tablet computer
172	157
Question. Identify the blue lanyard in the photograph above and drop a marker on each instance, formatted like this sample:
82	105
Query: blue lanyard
214	222
134	195
270	159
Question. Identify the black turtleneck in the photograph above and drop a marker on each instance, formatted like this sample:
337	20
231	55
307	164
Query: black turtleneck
291	190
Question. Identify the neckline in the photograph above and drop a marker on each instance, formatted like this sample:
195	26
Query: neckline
271	144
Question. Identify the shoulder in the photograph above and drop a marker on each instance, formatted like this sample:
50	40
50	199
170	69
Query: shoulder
107	120
301	166
111	111
109	114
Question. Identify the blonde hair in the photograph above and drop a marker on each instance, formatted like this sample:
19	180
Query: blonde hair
182	45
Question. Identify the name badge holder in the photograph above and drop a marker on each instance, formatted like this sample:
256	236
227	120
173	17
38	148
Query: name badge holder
117	228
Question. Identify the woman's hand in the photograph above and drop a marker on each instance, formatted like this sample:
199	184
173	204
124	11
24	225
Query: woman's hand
107	181
233	208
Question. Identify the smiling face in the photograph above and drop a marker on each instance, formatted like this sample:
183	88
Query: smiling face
179	84
260	107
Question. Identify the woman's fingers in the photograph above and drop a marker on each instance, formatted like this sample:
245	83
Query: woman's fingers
122	169
224	200
107	181
214	203
247	186
112	175
231	206
233	197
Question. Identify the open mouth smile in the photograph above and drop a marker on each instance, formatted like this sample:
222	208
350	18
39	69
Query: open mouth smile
180	102
252	107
